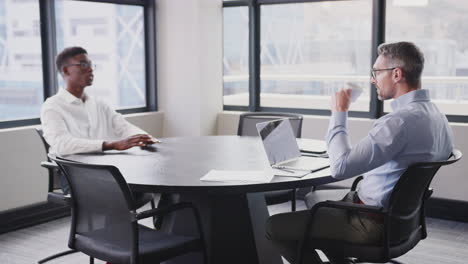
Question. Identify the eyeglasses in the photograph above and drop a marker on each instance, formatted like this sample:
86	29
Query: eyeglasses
84	65
376	70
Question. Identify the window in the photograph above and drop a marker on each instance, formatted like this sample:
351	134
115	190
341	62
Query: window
113	35
236	56
311	50
21	92
117	34
307	49
439	29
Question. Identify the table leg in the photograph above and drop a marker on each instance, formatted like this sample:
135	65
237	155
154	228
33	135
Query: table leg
234	227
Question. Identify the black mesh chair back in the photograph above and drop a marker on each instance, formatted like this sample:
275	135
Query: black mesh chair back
406	205
104	219
247	127
247	122
101	207
54	197
403	221
53	170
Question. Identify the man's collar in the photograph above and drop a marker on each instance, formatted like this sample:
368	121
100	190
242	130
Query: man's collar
413	96
70	98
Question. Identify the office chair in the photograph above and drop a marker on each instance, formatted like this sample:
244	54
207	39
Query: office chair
105	222
403	220
56	196
247	127
52	195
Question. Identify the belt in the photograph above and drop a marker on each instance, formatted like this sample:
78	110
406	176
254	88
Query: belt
376	217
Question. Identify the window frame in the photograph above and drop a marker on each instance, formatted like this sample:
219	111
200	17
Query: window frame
378	37
49	50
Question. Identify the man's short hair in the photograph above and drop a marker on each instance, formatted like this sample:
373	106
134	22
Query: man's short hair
406	56
67	53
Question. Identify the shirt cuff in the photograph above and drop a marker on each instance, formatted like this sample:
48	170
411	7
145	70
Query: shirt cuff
338	119
96	145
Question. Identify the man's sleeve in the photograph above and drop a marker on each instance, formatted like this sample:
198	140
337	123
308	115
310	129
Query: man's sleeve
59	138
382	143
122	127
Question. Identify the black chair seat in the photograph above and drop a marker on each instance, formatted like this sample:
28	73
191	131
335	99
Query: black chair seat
57	198
154	246
370	253
280	196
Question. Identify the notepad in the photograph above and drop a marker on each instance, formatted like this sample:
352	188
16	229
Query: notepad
312	146
238	176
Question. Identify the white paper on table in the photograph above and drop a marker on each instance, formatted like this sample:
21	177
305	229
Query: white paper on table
238	176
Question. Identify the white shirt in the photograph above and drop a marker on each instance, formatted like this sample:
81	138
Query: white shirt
72	126
416	131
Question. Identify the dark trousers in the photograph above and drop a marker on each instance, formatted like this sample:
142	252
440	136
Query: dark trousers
63	183
287	229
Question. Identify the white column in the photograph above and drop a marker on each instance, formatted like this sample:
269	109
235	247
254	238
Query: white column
189	49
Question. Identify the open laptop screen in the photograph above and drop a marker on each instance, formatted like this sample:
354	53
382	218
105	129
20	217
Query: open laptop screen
278	140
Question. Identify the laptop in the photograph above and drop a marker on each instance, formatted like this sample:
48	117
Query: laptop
281	148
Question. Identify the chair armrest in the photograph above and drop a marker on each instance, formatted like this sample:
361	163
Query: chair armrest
355	182
428	193
350	206
49	165
163	210
59	198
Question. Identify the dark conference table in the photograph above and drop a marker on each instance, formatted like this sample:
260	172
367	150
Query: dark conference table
233	213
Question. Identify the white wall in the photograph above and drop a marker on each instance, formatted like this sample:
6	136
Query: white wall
22	181
451	182
189	48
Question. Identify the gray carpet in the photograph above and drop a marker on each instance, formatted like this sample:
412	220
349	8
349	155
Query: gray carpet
447	243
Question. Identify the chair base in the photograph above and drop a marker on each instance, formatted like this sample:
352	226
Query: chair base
64	253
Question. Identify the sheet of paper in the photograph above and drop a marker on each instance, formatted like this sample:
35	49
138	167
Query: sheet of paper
238	176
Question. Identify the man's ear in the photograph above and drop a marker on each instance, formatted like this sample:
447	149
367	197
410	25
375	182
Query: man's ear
64	71
397	74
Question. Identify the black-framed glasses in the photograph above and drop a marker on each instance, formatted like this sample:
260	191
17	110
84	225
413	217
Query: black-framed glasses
376	70
84	65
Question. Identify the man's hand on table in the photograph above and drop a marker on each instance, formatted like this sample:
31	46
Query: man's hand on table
140	140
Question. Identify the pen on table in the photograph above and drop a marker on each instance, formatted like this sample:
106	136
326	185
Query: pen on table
281	169
319	169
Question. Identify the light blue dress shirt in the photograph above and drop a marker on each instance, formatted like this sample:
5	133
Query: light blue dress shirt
415	131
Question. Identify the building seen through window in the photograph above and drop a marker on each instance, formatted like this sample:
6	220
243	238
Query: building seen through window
309	50
113	35
236	56
21	86
439	29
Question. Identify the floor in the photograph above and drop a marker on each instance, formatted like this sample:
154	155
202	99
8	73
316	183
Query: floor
447	243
